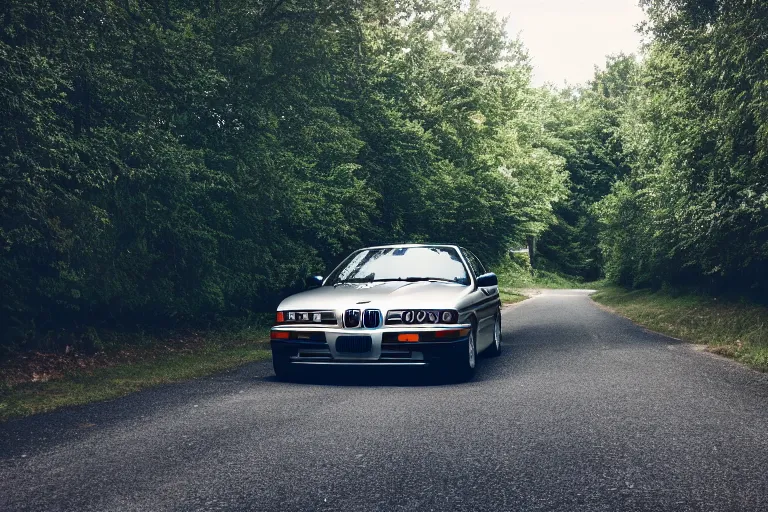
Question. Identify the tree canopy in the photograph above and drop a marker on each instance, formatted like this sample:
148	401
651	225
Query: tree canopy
667	156
694	208
177	162
171	162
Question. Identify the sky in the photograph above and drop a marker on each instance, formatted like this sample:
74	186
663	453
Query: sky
567	38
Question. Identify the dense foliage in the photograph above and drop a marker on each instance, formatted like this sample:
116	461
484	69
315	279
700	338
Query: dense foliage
179	161
694	209
668	159
585	124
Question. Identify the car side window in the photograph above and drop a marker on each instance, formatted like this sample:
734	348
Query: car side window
474	263
480	268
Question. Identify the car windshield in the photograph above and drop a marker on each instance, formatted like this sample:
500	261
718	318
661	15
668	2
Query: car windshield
401	264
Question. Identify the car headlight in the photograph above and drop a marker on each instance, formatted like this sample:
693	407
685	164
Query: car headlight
305	317
422	316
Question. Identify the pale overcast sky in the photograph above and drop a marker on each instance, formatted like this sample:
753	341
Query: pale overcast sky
567	38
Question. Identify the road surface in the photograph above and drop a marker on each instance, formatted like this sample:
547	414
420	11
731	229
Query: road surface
583	411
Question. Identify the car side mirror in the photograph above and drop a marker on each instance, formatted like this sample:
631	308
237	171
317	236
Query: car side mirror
487	280
314	281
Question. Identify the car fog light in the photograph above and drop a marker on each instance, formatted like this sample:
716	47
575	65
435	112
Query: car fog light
454	333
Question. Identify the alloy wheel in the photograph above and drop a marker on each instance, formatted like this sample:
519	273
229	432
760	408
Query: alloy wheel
472	352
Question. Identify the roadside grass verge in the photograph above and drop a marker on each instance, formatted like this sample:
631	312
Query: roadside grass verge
148	362
515	274
509	297
736	329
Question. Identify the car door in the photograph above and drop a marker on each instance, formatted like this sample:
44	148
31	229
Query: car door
486	302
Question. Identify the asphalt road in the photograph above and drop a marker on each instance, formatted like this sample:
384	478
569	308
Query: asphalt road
583	411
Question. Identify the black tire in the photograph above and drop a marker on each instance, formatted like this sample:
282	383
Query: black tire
463	367
284	370
495	349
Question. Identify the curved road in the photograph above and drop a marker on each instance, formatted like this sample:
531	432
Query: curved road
583	411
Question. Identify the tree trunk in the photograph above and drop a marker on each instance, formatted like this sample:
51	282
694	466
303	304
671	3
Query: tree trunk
532	250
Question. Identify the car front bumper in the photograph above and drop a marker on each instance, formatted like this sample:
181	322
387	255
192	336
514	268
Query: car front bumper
383	352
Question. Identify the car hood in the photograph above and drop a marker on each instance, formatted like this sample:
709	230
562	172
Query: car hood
384	296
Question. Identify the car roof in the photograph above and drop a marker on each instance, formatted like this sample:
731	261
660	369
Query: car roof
397	246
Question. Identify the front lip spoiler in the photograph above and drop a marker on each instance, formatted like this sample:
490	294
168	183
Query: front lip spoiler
361	363
431	353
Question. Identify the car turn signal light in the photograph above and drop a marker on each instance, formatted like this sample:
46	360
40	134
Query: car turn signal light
280	317
409	338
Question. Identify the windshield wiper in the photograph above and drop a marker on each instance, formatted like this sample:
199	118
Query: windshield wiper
357	281
414	279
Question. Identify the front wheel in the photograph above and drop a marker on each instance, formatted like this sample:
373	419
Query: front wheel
283	369
464	366
495	349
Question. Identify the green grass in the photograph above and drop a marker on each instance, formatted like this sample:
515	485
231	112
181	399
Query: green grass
510	297
516	274
737	329
213	353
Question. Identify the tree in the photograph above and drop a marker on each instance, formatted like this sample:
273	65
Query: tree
696	142
586	126
178	162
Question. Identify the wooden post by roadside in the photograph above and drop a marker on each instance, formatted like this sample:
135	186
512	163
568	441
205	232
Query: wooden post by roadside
532	251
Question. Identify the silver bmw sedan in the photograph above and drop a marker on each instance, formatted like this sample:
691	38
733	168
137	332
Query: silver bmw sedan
394	305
